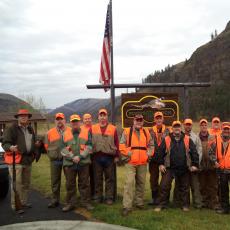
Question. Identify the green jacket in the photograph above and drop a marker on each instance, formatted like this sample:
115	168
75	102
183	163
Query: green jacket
15	136
75	147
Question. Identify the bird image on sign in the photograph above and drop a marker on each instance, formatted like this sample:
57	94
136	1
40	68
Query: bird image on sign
154	104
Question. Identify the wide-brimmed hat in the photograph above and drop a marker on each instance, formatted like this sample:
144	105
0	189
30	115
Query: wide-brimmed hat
23	112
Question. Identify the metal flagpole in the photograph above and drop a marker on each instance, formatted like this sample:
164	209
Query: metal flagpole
112	89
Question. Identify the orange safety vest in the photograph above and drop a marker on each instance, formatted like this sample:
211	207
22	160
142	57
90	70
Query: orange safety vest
8	157
214	131
83	136
137	145
159	135
223	159
168	143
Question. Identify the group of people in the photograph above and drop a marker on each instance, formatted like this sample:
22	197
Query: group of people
197	162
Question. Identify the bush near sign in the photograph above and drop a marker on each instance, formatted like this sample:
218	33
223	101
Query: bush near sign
133	103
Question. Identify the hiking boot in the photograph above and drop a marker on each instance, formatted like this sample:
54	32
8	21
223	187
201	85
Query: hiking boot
109	202
88	207
53	204
67	208
125	212
185	209
141	207
157	209
27	205
222	211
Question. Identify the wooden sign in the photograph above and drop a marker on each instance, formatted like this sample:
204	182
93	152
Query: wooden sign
147	104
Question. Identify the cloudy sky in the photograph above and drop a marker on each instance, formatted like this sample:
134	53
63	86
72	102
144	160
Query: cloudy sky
52	48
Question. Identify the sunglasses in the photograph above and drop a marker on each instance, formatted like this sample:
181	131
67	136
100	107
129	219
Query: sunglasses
139	119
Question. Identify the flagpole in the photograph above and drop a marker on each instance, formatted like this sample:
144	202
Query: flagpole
112	89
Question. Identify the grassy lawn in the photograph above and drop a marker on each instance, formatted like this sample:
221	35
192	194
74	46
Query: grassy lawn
168	219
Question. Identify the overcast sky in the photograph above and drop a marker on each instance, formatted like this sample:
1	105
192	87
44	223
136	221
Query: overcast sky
52	48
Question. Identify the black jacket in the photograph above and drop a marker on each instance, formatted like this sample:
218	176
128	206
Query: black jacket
178	159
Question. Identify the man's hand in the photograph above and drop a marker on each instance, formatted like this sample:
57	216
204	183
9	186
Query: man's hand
76	159
116	159
162	169
13	148
217	165
193	169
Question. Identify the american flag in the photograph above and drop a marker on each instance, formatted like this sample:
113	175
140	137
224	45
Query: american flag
105	69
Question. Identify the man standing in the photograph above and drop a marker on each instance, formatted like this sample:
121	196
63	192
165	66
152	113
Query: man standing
194	176
76	163
216	126
87	125
20	138
158	132
137	145
106	154
57	139
220	155
177	156
208	177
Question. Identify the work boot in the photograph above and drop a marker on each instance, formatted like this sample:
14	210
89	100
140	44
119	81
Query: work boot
88	207
222	211
185	209
67	208
125	212
157	209
53	204
109	202
141	207
27	205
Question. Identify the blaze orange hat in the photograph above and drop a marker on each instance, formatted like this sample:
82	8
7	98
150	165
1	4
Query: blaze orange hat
203	121
60	115
87	115
176	123
225	125
75	117
158	114
103	111
188	121
215	119
23	112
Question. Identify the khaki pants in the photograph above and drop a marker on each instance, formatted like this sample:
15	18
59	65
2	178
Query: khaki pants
135	175
23	178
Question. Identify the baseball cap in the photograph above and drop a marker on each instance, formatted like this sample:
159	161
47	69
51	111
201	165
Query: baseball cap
75	117
188	121
203	121
103	111
59	115
215	119
176	123
158	114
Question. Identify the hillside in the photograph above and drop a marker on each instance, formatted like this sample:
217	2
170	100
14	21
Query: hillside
210	62
90	105
10	103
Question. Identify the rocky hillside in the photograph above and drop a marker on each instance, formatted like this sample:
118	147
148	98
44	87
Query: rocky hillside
210	62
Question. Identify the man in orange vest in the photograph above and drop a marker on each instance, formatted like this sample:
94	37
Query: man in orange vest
137	144
208	177
177	156
76	161
220	155
57	139
216	126
87	124
158	132
20	138
106	154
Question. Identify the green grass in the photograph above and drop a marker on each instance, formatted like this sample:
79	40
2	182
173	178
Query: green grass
169	219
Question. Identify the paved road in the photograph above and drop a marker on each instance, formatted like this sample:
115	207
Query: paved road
38	212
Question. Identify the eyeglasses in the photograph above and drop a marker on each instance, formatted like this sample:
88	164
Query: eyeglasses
139	119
